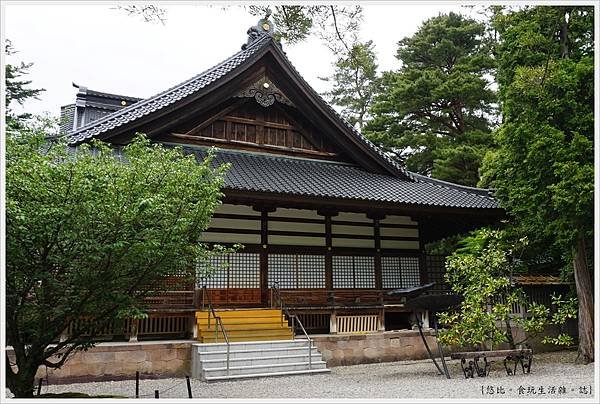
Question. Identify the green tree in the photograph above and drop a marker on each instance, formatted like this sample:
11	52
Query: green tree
294	23
17	90
90	233
355	82
543	169
436	111
481	271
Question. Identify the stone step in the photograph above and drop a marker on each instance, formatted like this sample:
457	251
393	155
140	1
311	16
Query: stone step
251	345
244	313
252	353
244	320
220	339
266	374
248	329
256	334
257	360
247	326
264	368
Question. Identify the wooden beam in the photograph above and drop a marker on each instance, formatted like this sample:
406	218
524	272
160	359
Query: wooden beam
238	144
213	118
248	121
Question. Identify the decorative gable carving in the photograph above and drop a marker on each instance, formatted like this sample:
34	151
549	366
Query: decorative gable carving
265	92
242	124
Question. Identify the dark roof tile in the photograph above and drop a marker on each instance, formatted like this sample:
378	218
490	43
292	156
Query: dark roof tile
267	173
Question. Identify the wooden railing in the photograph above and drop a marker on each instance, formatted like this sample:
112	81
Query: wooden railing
349	324
172	299
338	297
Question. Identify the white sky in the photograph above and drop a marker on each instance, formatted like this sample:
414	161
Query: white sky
106	50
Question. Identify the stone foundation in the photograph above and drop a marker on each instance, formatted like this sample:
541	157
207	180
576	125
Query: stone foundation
155	359
389	346
120	360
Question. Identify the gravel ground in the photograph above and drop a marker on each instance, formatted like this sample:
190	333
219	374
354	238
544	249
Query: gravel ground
554	373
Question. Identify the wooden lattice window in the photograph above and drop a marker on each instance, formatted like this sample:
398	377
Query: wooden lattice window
235	270
400	272
294	271
353	271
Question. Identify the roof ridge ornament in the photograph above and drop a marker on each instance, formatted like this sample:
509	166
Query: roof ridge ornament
263	27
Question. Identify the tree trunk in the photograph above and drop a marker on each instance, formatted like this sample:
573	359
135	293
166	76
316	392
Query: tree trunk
21	383
564	34
585	295
509	334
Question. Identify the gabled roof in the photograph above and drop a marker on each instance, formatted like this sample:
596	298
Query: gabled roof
450	194
211	76
167	97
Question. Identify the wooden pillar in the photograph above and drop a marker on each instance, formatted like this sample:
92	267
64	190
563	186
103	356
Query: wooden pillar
263	255
133	332
333	323
381	320
328	254
328	213
422	257
376	217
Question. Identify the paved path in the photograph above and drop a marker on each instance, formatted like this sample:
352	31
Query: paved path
553	376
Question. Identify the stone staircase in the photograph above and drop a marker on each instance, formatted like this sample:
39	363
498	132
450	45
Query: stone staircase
244	325
250	359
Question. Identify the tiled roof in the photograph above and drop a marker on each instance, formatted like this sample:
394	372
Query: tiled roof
388	190
307	177
168	97
67	115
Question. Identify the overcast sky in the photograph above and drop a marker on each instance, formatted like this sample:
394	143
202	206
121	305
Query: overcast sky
104	49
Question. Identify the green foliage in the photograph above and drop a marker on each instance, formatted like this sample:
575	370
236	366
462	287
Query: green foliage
435	111
566	310
294	23
481	271
355	82
91	232
543	170
478	272
17	90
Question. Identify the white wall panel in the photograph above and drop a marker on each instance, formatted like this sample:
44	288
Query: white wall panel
358	230
397	244
398	232
297	240
230	238
235	223
349	242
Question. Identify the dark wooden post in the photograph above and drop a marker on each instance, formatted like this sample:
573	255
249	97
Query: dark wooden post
423	275
264	252
189	386
376	217
137	384
328	213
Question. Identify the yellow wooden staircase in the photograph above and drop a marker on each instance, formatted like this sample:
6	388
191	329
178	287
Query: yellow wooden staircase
244	325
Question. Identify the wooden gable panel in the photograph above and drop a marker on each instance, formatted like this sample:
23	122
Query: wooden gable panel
242	123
